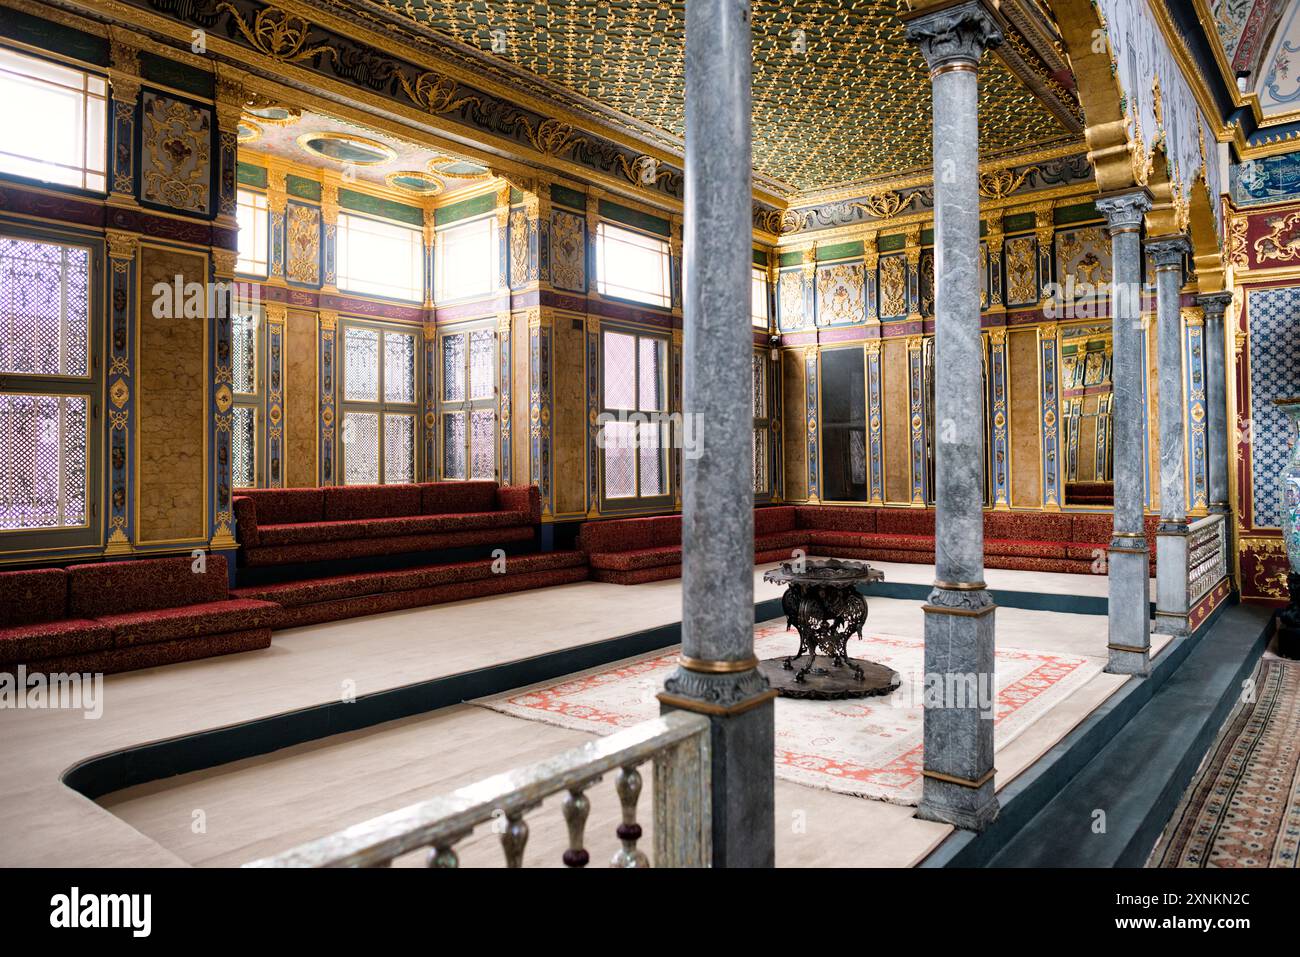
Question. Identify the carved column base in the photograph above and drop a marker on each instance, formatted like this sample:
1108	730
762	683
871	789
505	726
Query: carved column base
741	714
1172	598
960	703
1129	637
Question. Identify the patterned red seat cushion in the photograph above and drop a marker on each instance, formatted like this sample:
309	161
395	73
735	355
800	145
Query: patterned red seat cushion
773	519
641	558
38	640
263	556
626	534
280	506
1091	528
109	588
905	521
520	498
837	518
293	594
788	541
346	502
1028	526
904	543
431	576
1025	549
442	498
386	527
169	624
37	595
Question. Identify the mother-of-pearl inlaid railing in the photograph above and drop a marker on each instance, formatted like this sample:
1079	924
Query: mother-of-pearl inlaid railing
677	744
1207	556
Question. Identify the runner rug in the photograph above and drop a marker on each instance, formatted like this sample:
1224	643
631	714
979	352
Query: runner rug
1243	806
870	747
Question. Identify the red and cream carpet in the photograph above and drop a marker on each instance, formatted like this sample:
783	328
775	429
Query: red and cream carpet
869	747
1243	806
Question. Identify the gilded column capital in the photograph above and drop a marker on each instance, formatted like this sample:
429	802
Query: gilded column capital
277	313
230	96
122	245
223	263
329	197
1193	316
1168	251
1049	330
915	343
1214	304
503	323
277	195
124	66
871	347
998	335
328	320
1124	211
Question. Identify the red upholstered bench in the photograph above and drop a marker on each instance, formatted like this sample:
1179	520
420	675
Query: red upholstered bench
120	616
286	526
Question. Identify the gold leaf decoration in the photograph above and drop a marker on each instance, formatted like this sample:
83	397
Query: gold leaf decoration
551	137
435	93
279	35
999	183
883	205
782	222
643	171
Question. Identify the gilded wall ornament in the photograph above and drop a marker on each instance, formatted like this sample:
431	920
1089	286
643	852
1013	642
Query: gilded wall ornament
435	93
551	137
304	244
1282	241
893	286
840	293
1000	183
177	139
279	35
1022	283
883	205
568	252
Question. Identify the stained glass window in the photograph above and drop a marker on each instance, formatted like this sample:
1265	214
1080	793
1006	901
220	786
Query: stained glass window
44	308
467	259
53	120
635	437
469	388
632	265
44	448
380	258
379	402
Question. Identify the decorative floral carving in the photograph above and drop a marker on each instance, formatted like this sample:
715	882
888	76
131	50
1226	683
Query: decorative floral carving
279	35
304	244
568	253
1282	241
177	141
435	93
893	286
883	205
999	183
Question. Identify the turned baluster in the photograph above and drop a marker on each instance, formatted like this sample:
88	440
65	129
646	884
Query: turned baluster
628	786
514	837
576	808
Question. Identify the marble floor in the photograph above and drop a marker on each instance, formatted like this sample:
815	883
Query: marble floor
240	811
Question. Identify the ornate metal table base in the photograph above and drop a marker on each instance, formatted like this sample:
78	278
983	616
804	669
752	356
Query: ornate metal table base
824	606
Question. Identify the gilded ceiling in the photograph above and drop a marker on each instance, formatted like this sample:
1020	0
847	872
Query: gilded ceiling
840	96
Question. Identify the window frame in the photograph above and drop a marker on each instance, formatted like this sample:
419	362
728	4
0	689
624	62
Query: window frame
343	230
602	285
382	407
440	293
760	274
252	400
468	405
638	501
263	206
104	98
763	424
91	387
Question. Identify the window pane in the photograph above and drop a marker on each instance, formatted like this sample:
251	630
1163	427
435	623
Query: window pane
44	308
482	364
620	468
399	367
650	372
758	298
51	124
243	351
651	458
383	259
482	444
399	448
252	213
360	448
467	259
453	445
620	371
760	460
760	386
361	365
453	368
844	426
630	265
243	443
43	444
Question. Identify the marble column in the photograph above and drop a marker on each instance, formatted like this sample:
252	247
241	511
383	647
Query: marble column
1218	444
718	674
959	615
1172	594
1129	629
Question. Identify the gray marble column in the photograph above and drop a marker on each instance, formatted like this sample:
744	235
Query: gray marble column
958	728
717	674
1218	435
1129	632
1172	594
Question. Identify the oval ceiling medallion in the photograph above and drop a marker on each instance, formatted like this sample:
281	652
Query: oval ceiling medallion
346	148
249	131
458	168
414	181
275	115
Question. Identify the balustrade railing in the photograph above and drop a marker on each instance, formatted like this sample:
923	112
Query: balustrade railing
1207	555
677	744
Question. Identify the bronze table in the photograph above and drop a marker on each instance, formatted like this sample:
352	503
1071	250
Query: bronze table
823	604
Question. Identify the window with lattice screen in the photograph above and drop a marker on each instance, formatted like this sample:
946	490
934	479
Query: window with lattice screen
762	425
468	402
634	436
245	414
48	385
379	403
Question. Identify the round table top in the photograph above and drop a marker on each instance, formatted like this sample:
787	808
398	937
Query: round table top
836	572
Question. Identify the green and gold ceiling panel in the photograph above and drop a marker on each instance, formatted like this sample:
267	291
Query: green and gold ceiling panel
840	95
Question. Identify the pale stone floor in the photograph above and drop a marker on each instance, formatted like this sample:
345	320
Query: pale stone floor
267	804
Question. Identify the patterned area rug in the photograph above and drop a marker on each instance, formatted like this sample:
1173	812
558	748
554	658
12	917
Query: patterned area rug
870	747
1243	807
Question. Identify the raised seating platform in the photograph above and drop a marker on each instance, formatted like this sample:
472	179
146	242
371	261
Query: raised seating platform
119	616
629	551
